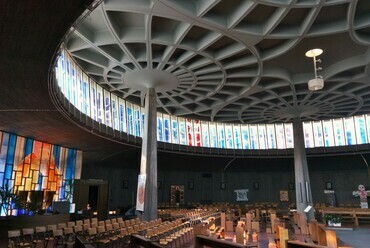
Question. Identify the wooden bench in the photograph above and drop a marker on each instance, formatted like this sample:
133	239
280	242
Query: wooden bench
362	215
325	237
349	215
271	242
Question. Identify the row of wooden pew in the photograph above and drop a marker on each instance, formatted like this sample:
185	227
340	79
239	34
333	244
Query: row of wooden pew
355	216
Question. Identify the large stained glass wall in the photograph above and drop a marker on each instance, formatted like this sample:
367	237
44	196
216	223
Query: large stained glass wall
30	168
106	108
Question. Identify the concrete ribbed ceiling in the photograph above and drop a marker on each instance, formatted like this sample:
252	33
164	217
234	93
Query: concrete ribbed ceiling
240	61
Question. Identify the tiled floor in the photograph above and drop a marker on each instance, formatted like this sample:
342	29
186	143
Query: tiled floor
358	238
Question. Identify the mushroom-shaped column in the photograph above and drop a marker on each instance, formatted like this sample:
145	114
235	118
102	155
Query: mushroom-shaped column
149	81
302	178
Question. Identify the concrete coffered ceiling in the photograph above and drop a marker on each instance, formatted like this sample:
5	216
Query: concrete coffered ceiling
239	61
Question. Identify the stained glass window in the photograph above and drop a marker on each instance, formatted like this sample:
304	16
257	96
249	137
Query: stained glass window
245	136
122	115
182	131
237	137
328	133
338	132
115	114
271	136
350	132
205	134
221	135
262	136
175	130
159	127
130	118
308	134
368	126
94	109
213	134
253	132
137	116
229	136
189	132
29	165
317	132
99	104
107	109
166	128
289	135
360	129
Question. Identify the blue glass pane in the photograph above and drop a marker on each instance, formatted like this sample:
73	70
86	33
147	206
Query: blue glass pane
86	99
8	171
213	136
93	102
361	130
98	106
71	164
245	136
142	123
221	137
182	130
1	179
56	154
238	143
122	118
4	151
229	137
159	129
107	111
28	147
130	121
166	130
137	123
175	133
11	149
253	137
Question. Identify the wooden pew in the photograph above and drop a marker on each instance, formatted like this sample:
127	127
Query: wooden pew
325	237
301	222
283	236
351	215
347	215
271	242
361	215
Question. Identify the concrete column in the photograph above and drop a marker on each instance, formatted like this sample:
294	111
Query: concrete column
302	178
148	164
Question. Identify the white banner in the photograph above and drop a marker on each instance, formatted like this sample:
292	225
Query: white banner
241	194
140	196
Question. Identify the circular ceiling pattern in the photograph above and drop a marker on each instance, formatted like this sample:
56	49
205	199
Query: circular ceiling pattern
239	61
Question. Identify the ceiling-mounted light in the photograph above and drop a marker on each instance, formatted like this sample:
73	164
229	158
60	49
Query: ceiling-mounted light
318	82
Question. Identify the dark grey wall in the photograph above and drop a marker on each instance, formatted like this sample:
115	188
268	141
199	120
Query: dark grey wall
272	174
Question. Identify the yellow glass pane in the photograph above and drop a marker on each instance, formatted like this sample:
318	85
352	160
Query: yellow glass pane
28	184
35	176
18	178
44	183
53	186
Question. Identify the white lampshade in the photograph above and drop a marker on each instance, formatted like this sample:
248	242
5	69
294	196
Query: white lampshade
316	84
